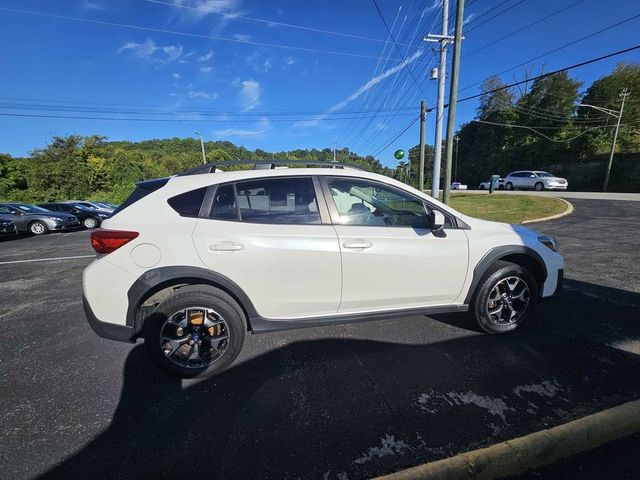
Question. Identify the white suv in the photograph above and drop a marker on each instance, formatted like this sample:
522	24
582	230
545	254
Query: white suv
192	262
534	180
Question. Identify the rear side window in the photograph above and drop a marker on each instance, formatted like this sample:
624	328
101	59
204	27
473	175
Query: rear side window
224	204
188	204
278	200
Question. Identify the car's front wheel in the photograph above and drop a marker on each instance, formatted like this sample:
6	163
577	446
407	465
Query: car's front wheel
38	228
90	223
505	298
199	328
538	187
509	186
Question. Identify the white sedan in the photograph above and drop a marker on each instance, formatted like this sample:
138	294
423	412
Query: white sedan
458	186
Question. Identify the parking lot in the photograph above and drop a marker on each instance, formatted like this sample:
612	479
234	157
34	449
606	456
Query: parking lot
338	402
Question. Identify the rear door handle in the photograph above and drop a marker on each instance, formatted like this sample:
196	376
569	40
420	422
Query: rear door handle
227	246
357	244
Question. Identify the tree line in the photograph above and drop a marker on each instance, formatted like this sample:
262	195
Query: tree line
547	125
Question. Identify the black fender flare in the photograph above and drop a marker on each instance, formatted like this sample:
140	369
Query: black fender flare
497	253
157	278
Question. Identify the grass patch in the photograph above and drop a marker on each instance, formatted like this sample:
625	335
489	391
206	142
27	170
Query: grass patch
507	208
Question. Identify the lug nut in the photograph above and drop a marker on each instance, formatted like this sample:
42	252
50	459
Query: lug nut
179	331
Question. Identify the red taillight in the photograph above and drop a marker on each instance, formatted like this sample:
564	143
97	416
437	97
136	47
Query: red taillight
107	241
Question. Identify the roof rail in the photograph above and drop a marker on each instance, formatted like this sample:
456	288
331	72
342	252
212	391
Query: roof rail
261	165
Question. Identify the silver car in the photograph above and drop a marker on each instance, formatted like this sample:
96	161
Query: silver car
534	180
36	220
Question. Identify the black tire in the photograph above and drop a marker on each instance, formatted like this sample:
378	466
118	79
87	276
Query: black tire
38	227
196	296
509	186
481	187
538	187
500	187
90	223
497	273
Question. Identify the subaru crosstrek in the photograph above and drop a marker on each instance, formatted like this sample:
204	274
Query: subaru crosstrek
193	262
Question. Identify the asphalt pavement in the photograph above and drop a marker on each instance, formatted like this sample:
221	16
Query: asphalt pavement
338	402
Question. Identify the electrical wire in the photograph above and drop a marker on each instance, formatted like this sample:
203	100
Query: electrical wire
495	16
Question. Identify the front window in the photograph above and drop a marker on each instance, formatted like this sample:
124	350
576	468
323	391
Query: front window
362	202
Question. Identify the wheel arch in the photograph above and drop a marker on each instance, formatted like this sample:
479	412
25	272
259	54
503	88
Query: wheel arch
520	255
158	282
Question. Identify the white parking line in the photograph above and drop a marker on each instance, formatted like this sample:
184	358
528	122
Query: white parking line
47	259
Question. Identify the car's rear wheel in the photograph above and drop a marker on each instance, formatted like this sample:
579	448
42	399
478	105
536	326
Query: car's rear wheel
199	328
90	223
509	186
481	187
38	228
505	298
538	187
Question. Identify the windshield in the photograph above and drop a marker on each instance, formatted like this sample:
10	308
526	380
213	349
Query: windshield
81	206
544	174
32	209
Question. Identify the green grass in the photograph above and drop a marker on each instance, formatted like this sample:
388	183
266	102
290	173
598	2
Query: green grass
506	208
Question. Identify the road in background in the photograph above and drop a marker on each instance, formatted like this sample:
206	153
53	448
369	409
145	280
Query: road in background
338	402
628	197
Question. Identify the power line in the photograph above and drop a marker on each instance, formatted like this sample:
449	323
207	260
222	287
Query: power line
193	35
199	120
393	39
495	16
267	22
387	144
504	37
560	70
558	49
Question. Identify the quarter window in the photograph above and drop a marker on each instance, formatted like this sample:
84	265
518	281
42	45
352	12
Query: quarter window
362	202
224	204
188	204
278	200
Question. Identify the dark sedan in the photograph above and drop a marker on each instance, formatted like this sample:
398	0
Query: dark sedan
37	220
89	217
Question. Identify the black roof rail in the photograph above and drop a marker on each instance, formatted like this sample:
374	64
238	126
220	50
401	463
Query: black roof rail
261	165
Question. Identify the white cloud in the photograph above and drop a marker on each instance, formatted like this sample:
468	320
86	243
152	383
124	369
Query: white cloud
206	57
250	93
149	50
176	76
288	60
201	94
256	62
242	37
262	128
206	69
364	88
197	10
468	19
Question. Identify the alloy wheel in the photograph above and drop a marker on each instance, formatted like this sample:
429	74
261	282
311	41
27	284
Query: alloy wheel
194	337
508	300
38	228
90	223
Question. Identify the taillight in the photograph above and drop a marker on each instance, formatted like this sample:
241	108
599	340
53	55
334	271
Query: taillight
107	241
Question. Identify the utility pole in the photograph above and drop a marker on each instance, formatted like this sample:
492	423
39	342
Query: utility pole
204	156
453	100
455	168
423	117
624	94
444	39
334	151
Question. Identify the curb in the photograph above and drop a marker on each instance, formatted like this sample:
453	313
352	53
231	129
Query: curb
568	211
516	456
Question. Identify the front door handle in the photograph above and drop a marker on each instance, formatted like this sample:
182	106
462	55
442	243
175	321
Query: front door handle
358	243
226	246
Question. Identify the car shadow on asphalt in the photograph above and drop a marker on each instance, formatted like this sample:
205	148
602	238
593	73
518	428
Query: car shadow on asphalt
349	408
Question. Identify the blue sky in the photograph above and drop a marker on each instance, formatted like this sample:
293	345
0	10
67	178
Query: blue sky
245	70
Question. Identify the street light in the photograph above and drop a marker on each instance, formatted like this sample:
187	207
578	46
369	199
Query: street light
624	94
204	156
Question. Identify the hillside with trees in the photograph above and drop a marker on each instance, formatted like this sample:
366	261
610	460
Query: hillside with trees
94	168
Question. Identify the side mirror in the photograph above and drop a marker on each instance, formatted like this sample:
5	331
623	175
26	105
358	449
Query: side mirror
437	224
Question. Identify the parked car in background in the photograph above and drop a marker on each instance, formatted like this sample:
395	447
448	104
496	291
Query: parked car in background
37	220
91	205
7	228
458	186
89	217
486	185
534	180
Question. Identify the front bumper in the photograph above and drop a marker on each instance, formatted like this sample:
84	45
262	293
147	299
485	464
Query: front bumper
8	231
555	187
110	331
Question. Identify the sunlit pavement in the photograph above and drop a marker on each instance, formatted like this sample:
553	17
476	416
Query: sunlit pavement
340	402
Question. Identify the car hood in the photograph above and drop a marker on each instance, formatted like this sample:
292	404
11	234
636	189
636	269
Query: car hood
64	215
